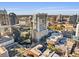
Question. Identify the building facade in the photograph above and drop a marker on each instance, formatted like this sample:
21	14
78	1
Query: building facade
59	18
77	30
6	40
3	52
12	18
24	21
3	17
39	26
73	19
76	37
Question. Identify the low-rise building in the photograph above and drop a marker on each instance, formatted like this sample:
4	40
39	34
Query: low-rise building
3	52
62	49
70	44
75	53
54	38
46	53
35	52
25	21
4	41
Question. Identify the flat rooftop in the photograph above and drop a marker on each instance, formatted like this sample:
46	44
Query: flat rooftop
4	39
2	50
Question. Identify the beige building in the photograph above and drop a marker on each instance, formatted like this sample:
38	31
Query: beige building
68	27
77	30
5	29
3	52
24	20
70	43
35	52
3	17
59	18
39	29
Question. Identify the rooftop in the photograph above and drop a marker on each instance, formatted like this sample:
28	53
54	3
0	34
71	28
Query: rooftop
2	50
4	39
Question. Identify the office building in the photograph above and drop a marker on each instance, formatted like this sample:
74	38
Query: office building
3	17
12	18
59	18
39	26
73	19
22	21
77	30
76	37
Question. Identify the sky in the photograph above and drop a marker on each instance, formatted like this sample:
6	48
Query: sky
52	8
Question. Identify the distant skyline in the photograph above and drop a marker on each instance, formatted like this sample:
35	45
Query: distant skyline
52	8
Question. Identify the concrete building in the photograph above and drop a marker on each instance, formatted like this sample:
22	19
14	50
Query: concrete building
76	52
39	26
35	51
5	41
54	38
3	17
76	36
24	21
69	44
73	19
24	18
77	30
4	29
12	19
3	52
46	53
59	18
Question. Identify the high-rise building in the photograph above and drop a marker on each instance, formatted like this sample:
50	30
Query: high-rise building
3	17
59	18
73	19
12	18
77	30
40	26
76	37
41	22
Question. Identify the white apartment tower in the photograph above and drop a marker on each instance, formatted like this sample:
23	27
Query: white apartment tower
77	30
39	25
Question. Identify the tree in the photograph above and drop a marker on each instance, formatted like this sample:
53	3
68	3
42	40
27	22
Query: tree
52	47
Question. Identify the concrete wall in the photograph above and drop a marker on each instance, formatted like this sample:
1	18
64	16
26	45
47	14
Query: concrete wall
41	34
